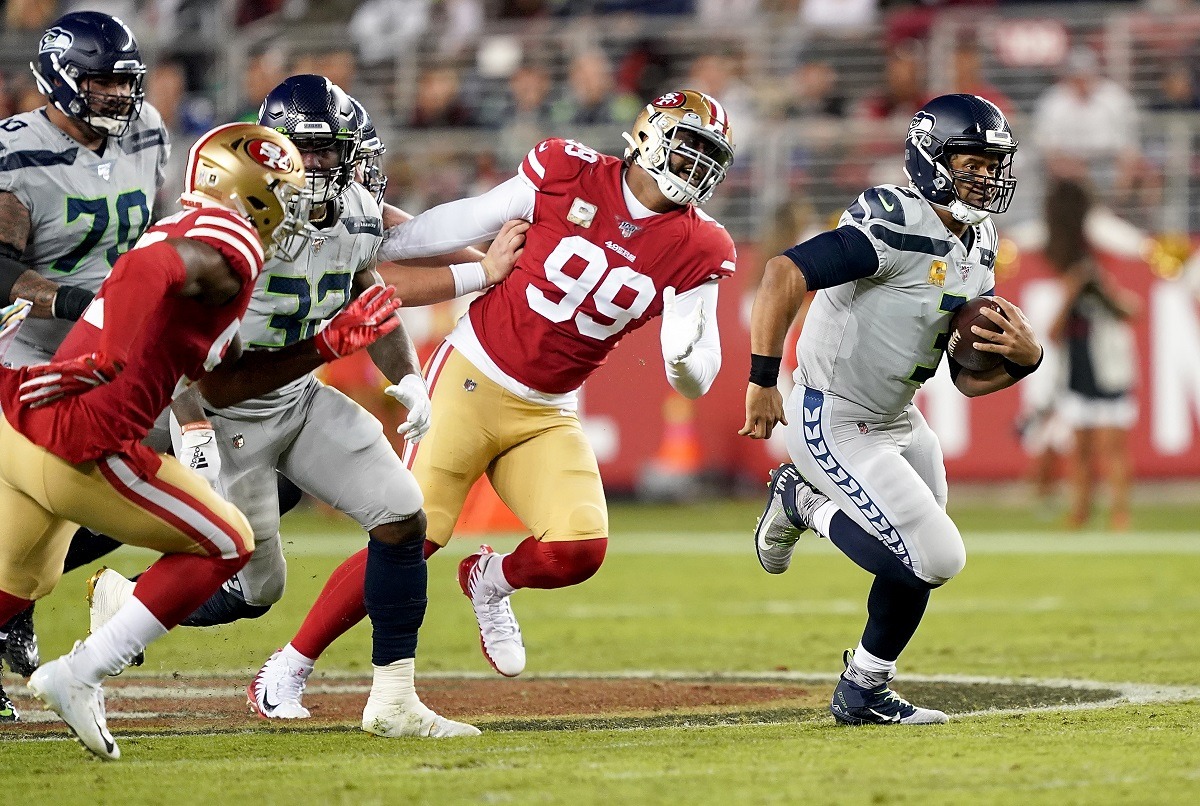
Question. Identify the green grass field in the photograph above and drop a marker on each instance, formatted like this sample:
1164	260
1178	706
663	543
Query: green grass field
681	592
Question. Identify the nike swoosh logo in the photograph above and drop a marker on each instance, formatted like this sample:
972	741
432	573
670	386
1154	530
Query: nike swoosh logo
267	704
887	205
885	717
109	744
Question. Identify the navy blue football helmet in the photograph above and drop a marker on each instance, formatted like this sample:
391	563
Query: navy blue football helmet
961	124
370	153
85	45
316	115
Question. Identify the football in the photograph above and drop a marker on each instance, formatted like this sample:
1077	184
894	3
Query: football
959	346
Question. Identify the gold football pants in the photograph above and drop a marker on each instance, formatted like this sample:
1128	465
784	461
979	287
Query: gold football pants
537	458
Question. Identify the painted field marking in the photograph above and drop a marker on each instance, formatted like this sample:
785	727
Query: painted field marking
338	682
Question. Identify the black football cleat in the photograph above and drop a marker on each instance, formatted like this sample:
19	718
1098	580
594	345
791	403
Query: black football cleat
21	648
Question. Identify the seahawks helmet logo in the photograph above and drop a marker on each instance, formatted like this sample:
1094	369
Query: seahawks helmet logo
57	41
922	124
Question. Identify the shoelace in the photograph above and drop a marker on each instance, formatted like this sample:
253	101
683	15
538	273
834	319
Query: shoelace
290	685
500	618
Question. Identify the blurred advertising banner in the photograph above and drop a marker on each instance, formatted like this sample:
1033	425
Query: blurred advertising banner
645	435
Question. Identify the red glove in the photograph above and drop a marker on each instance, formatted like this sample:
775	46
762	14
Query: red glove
364	321
45	383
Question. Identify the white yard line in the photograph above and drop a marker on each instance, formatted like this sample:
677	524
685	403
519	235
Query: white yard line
351	683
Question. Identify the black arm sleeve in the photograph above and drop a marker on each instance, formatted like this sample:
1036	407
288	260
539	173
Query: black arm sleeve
834	257
10	271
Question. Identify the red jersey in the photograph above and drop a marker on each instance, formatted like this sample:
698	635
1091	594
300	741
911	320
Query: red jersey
590	273
175	342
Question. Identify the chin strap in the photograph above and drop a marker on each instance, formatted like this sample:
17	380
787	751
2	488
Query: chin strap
964	213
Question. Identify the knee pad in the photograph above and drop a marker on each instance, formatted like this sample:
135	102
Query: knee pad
943	555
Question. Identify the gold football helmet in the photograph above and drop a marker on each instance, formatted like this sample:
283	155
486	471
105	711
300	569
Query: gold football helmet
684	141
259	174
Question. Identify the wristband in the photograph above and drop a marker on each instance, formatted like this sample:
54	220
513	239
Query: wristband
468	277
1019	371
70	301
199	425
764	369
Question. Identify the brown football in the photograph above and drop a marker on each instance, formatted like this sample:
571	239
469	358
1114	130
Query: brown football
959	346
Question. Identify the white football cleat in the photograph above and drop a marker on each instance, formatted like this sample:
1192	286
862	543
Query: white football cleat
791	505
275	691
411	718
499	633
107	592
81	706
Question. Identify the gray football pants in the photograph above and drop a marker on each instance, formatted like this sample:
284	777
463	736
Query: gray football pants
885	473
333	449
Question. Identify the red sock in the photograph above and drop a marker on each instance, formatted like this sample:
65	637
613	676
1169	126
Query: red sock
429	548
11	605
534	564
177	584
338	608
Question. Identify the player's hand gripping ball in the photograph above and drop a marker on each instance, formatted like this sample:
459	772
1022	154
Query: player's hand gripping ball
961	345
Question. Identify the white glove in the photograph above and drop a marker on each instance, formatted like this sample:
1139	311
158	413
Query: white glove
413	395
199	451
679	332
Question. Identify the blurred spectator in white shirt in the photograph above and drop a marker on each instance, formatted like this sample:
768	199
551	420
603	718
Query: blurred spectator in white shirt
1086	125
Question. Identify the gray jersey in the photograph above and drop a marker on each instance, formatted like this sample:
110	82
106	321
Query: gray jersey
874	341
86	208
291	299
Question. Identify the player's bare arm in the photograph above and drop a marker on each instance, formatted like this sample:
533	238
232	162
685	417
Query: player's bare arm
22	282
254	373
775	307
424	281
1016	343
394	354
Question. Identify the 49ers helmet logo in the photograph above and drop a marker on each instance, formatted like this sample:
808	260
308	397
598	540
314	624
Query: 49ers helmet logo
269	155
670	100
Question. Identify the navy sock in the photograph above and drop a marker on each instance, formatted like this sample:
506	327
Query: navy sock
223	607
898	596
395	597
87	546
869	552
894	612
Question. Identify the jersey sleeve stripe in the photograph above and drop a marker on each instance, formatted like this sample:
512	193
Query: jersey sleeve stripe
252	260
532	161
237	228
728	264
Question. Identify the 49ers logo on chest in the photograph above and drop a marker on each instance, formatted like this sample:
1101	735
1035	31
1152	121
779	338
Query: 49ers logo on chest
269	155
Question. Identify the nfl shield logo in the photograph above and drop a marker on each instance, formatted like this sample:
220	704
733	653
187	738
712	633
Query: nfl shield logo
238	440
317	243
628	228
104	170
469	385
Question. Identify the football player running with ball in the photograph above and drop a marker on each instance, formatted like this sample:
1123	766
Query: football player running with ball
613	244
868	471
